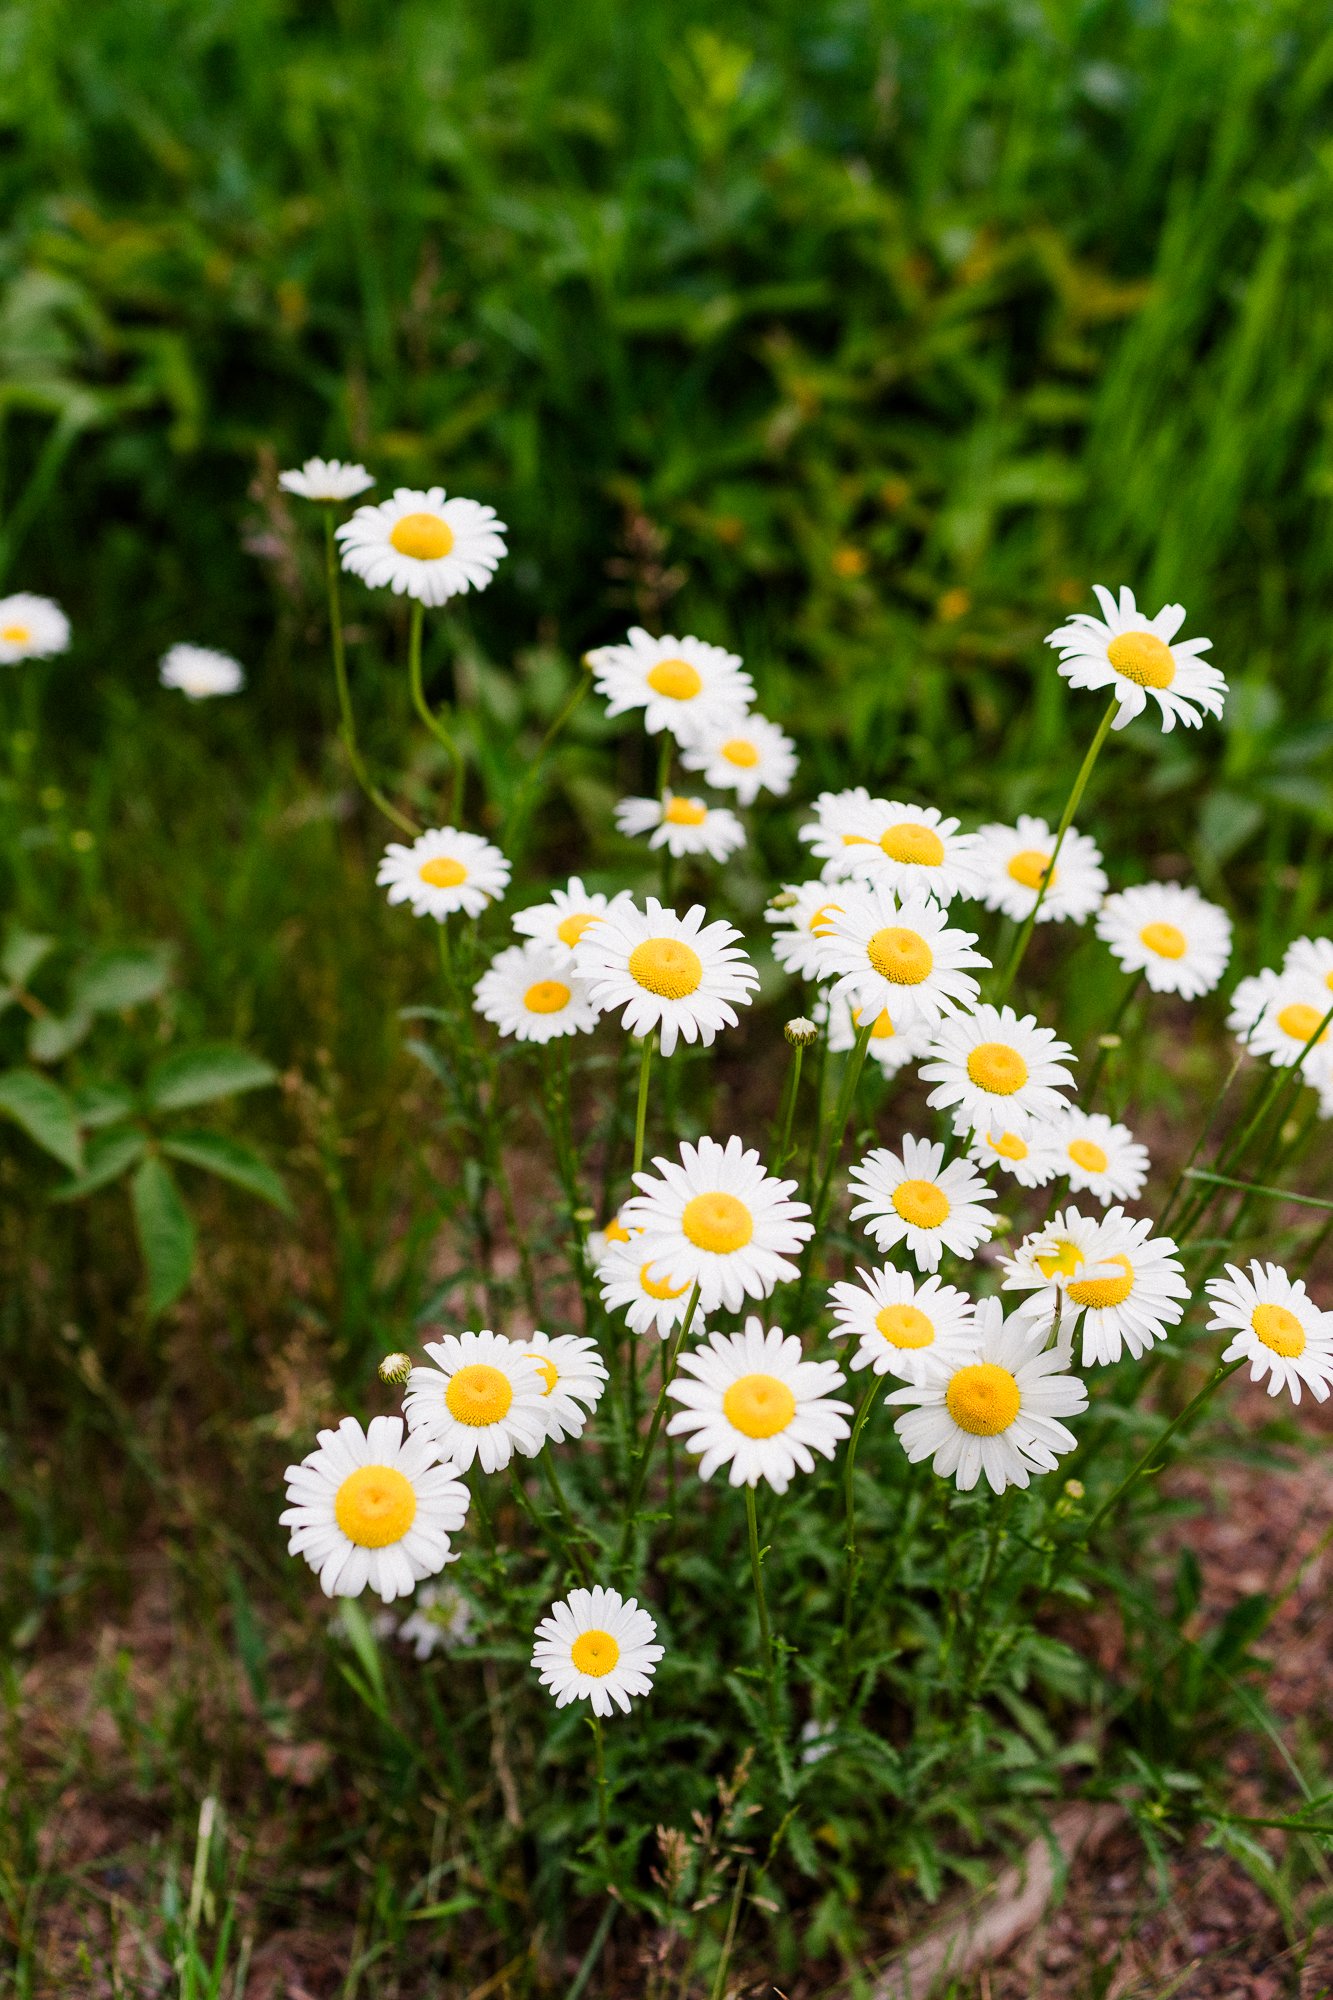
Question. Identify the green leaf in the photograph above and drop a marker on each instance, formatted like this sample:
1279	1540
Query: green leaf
50	1036
97	1104
107	1157
44	1112
231	1160
357	1627
22	954
197	1076
115	980
165	1231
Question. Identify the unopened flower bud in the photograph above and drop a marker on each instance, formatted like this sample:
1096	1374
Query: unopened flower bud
784	900
1074	1489
1108	1041
585	1216
395	1369
800	1032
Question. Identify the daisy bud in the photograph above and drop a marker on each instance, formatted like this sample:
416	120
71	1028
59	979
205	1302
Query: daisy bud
1074	1489
785	899
395	1369
800	1032
585	1216
1108	1041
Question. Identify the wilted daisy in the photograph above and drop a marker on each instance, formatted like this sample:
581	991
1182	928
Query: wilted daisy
418	544
440	1621
899	955
911	1197
682	685
1004	1073
326	479
1278	1329
1032	1157
1013	861
799	916
1099	1156
1167	931
562	920
199	672
682	825
651	1300
743	754
573	1378
373	1508
31	628
892	1048
485	1398
1128	1291
530	992
1137	657
752	1401
715	1218
678	975
910	849
444	870
597	1646
1278	1014
995	1413
899	1320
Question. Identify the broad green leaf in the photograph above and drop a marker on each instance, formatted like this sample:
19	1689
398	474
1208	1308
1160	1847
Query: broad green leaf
50	1037
22	954
98	1104
231	1160
197	1076
165	1232
106	1157
44	1112
114	980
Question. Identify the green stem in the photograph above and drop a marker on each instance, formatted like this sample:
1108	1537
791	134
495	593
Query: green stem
573	1533
518	804
659	1409
641	1108
1154	1450
339	645
998	1525
1109	1040
603	1806
853	1553
437	728
842	1112
784	1147
761	1602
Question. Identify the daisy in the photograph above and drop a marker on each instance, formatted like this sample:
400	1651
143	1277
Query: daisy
1318	1070
441	1620
716	1219
561	921
597	1646
1279	1329
899	1320
892	1048
752	1401
326	479
1128	1291
422	545
1282	1012
1169	933
743	754
484	1399
913	1198
444	871
678	975
651	1301
835	814
799	917
1013	861
602	1241
1137	657
199	672
1099	1157
31	628
682	825
529	992
1311	959
1065	1247
994	1413
682	685
373	1508
906	848
573	1377
899	955
1004	1073
1032	1158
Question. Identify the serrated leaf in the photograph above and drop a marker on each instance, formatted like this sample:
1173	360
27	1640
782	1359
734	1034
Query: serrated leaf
199	1075
165	1231
106	1157
41	1108
22	954
50	1036
115	980
230	1160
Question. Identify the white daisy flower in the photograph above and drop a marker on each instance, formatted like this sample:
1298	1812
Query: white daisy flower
561	921
909	849
892	1048
1065	1247
597	1646
530	992
441	1621
1137	657
601	1242
650	1301
899	1320
1277	1013
678	975
373	1508
1032	1157
996	1413
799	916
421	545
1169	933
1100	1157
1318	1071
1311	959
911	1197
1004	1073
1013	861
326	479
485	1398
573	1378
200	673
682	685
444	870
31	628
717	1219
899	955
743	754
1129	1289
752	1401
682	825
1278	1329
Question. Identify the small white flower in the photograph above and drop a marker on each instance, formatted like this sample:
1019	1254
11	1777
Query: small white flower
597	1646
31	628
573	1378
752	1401
911	1197
1137	657
326	479
1004	1073
485	1398
682	685
799	916
1100	1157
743	754
678	975
682	825
1279	1329
899	1320
1169	933
443	871
562	920
373	1508
601	1242
1277	1014
911	850
531	993
899	955
892	1048
1311	959
421	545
651	1302
1065	1247
1032	1157
718	1220
1013	861
441	1621
200	673
1128	1289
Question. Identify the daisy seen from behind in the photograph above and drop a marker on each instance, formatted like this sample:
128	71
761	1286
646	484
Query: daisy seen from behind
715	1219
567	913
1126	1294
530	992
597	1646
1277	1328
1136	657
1013	861
682	825
898	1320
682	976
745	755
912	1197
326	479
1002	1071
902	956
484	1399
751	1401
1100	1157
31	628
199	673
573	1377
373	1508
685	685
420	544
912	850
649	1298
1167	931
442	872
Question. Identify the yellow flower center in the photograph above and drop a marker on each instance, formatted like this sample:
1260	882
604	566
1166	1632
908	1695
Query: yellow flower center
16	635
685	812
1061	1260
442	872
1088	1156
1031	867
1300	1019
375	1505
883	1028
547	1369
666	966
570	929
983	1398
759	1405
595	1653
1144	658
1009	1146
1165	940
1098	1292
548	996
659	1288
902	957
1280	1330
921	1203
905	1326
819	921
717	1222
739	751
478	1395
910	841
676	679
615	1231
424	537
995	1067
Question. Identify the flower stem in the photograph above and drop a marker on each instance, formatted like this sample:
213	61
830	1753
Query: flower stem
659	1409
437	728
757	1571
1107	1041
519	803
603	1809
784	1146
641	1109
1154	1450
997	1528
339	646
842	1112
853	1553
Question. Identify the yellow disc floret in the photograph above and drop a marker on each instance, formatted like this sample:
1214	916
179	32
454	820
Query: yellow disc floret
424	537
1061	1260
738	750
759	1405
684	812
921	1204
1086	1154
16	635
375	1505
479	1395
910	841
1009	1146
1300	1020
901	956
717	1222
997	1068
548	1371
905	1326
442	872
666	966
676	679
548	996
1101	1292
983	1398
659	1288
1279	1329
595	1653
1164	940
1031	867
1143	658
571	928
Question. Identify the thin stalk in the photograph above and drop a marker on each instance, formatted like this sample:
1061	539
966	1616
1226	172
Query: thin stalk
603	1807
438	729
1154	1450
518	805
641	1107
572	1531
784	1147
659	1410
339	644
853	1553
1106	1042
817	1119
1201	1141
842	1112
761	1604
998	1525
